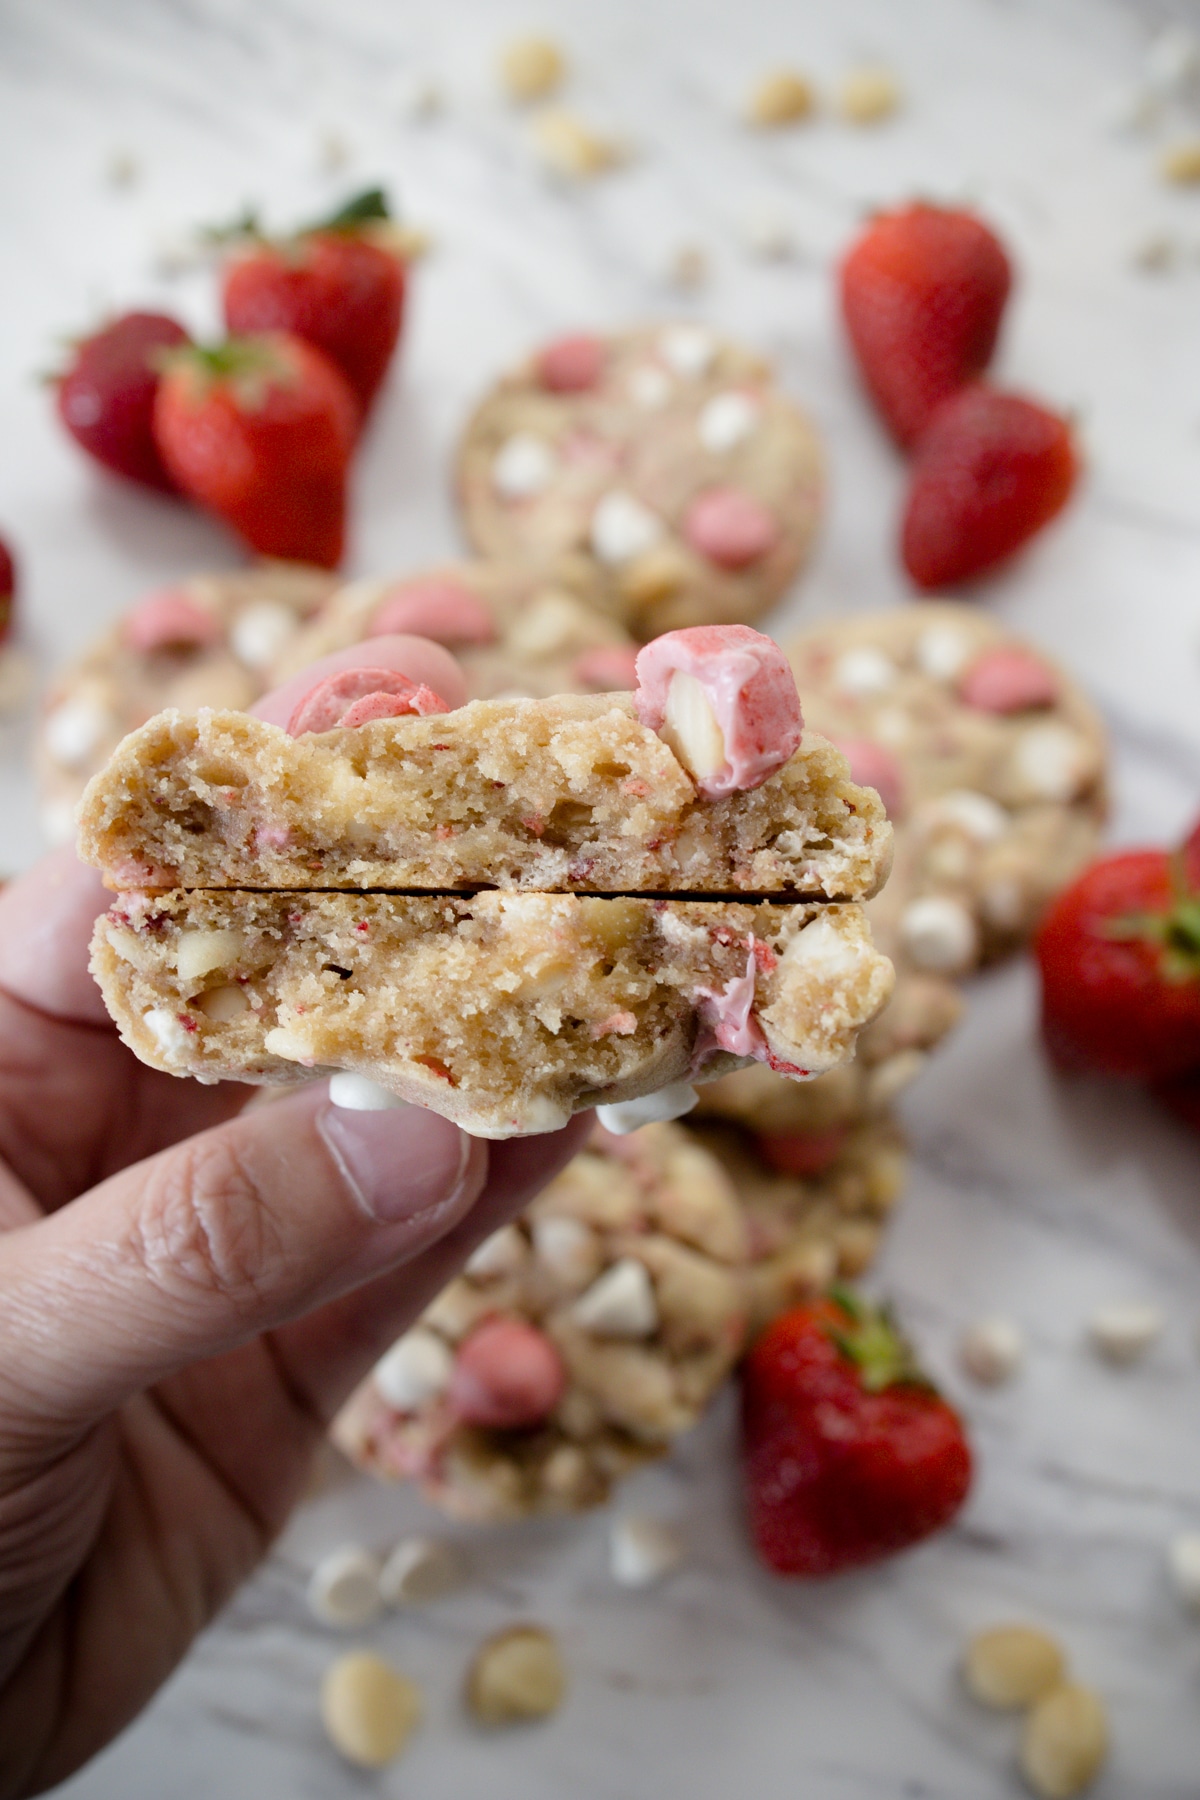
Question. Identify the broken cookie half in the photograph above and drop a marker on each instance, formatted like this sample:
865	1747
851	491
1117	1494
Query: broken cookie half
508	913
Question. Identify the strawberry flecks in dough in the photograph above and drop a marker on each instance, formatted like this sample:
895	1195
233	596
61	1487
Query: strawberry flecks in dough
730	527
744	680
571	365
170	620
606	668
272	837
340	699
871	765
445	611
1008	680
507	1375
618	1024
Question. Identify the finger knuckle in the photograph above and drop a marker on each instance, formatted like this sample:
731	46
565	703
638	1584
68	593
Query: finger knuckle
204	1227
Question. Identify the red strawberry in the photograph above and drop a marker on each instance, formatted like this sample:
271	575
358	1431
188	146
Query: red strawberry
106	395
849	1454
260	431
8	589
1119	953
922	294
990	470
338	285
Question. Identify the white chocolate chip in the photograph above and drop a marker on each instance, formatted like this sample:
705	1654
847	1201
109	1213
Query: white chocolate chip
620	1304
823	948
727	420
690	727
670	1102
523	466
649	387
1050	761
223	1004
420	1569
976	814
942	651
1183	1564
198	953
939	934
259	634
167	1032
358	1093
531	68
1012	1665
864	671
343	1589
503	1253
76	728
517	1674
568	1248
1065	1742
1124	1332
368	1709
623	528
992	1351
688	349
642	1550
415	1370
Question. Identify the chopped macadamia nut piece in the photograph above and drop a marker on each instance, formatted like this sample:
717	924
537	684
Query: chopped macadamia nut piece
1124	1332
784	97
1180	162
420	1569
642	1550
992	1351
868	95
1012	1666
369	1709
1065	1742
569	147
531	68
343	1589
516	1675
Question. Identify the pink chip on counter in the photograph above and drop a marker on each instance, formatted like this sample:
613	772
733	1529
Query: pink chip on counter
507	1374
1008	680
873	766
730	527
571	364
170	620
606	668
351	697
750	691
439	608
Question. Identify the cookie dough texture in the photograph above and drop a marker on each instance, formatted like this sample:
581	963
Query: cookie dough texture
116	685
665	462
505	1012
657	1200
571	793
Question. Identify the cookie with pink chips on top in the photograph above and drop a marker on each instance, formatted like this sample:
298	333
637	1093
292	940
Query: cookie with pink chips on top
211	640
577	1344
513	629
665	461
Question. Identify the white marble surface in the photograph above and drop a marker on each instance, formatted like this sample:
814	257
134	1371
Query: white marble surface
1028	1198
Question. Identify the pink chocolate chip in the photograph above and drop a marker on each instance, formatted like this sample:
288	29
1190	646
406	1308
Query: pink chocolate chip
507	1374
729	1013
170	620
571	364
438	608
873	766
749	686
606	669
353	696
1008	681
730	527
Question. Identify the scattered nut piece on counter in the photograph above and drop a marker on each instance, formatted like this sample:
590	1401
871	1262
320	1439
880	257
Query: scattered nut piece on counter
1065	1742
420	1569
642	1550
1180	161
868	95
992	1351
1012	1665
569	147
1155	255
517	1674
782	98
767	234
368	1708
1183	1561
1123	1333
688	267
531	68
343	1589
1172	61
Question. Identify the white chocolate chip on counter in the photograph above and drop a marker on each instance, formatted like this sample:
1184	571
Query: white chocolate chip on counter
200	952
868	95
727	420
415	1370
503	1253
620	1304
369	1709
1012	1665
517	1674
76	728
259	634
524	466
343	1589
992	1351
358	1093
642	1550
531	68
1124	1332
569	147
864	671
623	528
784	97
1183	1565
1065	1742
670	1102
688	349
939	934
420	1569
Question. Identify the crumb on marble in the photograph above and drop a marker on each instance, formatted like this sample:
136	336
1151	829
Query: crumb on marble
784	97
869	95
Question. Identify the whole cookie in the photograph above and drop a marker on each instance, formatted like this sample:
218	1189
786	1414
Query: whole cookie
514	629
665	460
576	1344
207	641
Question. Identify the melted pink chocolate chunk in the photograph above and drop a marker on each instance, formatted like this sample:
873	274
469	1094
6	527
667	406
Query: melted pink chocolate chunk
443	610
353	696
507	1374
1008	680
873	766
730	527
749	686
170	620
606	669
571	364
729	1014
